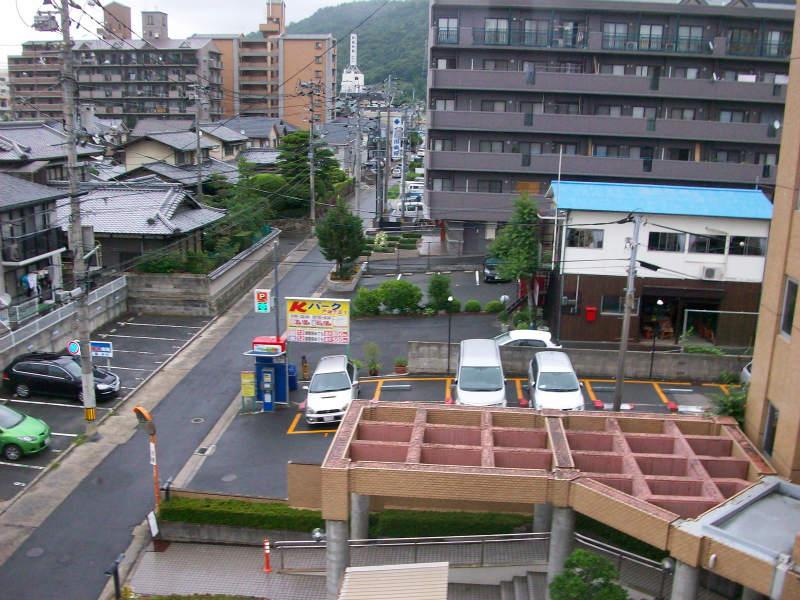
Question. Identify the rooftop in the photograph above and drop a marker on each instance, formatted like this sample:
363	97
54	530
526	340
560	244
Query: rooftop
257	127
187	175
661	199
16	192
37	140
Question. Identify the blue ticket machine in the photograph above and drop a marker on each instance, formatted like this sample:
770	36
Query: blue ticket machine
272	376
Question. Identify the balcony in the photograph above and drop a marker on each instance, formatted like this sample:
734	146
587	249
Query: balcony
598	125
607	85
556	38
28	247
766	49
446	35
656	43
471	206
595	166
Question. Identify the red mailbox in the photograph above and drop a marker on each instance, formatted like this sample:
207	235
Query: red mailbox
591	313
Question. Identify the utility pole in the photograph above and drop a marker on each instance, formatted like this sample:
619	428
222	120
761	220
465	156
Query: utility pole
357	162
198	156
311	89
403	167
79	270
630	293
387	165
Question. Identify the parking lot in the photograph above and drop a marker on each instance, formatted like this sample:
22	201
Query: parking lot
141	344
250	456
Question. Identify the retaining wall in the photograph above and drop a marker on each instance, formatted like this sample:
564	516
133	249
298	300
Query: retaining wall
431	358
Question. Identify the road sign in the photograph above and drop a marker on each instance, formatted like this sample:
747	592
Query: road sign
99	349
262	301
318	320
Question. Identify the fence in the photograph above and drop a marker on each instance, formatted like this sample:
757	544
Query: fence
24	310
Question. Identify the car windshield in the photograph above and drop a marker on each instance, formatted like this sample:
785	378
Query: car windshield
481	379
558	382
329	382
502	339
73	367
9	418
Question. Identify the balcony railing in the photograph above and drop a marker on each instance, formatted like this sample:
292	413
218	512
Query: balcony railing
555	38
656	43
28	246
447	35
768	49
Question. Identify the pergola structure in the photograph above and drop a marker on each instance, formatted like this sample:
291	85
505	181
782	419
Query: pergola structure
642	474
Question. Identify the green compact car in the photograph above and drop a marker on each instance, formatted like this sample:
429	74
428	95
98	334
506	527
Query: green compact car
21	434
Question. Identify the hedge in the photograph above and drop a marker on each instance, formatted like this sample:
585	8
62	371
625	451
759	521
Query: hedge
493	306
407	246
411	235
612	536
406	523
472	306
239	513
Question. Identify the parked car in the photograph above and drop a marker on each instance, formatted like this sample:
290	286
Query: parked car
397	171
526	338
479	379
55	375
490	271
746	374
21	434
410	210
333	386
552	382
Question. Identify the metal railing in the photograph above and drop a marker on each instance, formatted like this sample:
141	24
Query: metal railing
556	38
780	49
656	43
24	310
447	35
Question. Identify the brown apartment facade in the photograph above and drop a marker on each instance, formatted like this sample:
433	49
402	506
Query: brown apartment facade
686	93
772	418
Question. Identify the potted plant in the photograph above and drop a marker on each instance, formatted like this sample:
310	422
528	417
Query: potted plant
401	365
372	353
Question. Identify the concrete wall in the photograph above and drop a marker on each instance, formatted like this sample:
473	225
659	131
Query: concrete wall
202	295
172	531
431	357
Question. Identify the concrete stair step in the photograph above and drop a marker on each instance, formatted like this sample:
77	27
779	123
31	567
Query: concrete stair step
520	583
537	586
470	591
507	590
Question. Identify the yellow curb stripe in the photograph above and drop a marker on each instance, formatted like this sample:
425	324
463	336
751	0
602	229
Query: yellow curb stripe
660	393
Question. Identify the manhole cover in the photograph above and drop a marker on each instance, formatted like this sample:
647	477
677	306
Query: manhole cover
34	552
201	450
196	420
20	483
229	477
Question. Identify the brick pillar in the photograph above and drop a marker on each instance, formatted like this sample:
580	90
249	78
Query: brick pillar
562	536
337	556
359	516
542	517
685	582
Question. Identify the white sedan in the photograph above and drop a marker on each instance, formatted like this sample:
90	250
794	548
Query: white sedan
526	338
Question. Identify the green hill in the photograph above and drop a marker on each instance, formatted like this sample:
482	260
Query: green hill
392	42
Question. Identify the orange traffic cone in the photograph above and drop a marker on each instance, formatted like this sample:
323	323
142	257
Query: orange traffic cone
267	567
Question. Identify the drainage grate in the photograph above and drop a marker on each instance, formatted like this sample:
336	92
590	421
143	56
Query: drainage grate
202	450
197	420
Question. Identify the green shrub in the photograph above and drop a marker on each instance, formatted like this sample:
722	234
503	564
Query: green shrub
198	262
407	245
166	263
454	306
381	249
406	523
400	295
472	306
728	378
731	404
438	291
393	237
238	513
702	349
587	575
366	302
493	306
521	319
413	235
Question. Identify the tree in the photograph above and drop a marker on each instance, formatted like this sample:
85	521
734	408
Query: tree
341	237
587	576
517	248
438	291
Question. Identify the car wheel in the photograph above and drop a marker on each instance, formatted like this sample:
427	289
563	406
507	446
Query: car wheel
22	390
12	452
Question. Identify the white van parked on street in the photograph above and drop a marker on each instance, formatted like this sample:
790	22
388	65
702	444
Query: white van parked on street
479	380
552	382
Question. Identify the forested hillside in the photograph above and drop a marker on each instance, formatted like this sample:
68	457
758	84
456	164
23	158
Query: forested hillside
393	41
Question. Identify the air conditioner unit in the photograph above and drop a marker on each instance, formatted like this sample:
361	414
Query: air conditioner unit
63	296
630	45
712	273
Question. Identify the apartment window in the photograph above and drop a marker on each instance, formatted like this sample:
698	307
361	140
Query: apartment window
789	304
767	158
492	186
690	38
612	69
615	35
611	111
318	45
495	31
570	149
442	184
183	158
318	60
495	64
707	244
56	173
604	150
447	30
615	305
748	246
685	114
532	108
445	63
493	105
642	70
650	37
490	146
585	238
536	32
731	116
731	156
665	241
770	427
443	145
317	74
444	104
150	20
643	112
563	108
679	154
777	43
742	41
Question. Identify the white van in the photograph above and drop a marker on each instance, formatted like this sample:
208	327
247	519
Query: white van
415	186
410	210
479	380
333	387
552	382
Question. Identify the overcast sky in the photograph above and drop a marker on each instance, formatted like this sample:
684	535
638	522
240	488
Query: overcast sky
185	18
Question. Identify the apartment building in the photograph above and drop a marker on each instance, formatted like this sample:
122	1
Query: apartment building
772	418
304	58
116	22
5	96
684	93
124	78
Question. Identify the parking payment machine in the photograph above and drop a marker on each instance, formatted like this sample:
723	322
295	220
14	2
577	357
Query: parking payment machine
271	367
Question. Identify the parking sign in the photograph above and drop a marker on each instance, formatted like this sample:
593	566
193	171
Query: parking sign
262	301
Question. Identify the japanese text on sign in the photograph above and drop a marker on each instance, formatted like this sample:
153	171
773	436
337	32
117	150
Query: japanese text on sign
318	320
261	301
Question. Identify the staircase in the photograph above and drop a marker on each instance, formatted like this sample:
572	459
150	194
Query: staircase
532	586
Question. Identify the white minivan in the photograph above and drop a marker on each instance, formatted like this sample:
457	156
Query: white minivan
479	380
552	382
333	387
410	210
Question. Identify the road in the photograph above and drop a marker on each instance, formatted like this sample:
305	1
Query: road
67	555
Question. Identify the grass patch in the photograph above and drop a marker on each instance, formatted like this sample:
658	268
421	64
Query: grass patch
407	523
609	535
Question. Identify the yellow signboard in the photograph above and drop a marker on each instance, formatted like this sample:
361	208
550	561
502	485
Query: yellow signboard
318	320
248	384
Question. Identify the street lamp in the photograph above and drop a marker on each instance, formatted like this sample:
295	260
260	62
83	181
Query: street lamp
147	424
449	329
656	331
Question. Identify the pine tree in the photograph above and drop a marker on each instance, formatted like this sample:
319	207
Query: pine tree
341	237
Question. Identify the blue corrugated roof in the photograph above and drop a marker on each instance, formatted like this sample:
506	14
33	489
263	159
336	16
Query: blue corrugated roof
661	199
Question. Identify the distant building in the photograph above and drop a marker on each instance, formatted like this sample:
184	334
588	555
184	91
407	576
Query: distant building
5	96
116	22
352	77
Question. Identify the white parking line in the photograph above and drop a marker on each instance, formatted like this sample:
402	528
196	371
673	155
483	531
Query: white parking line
140	337
142	352
72	435
399	275
19	401
126	368
21	465
477	279
159	325
122	387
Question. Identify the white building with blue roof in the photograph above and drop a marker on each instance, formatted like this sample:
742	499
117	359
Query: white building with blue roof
699	249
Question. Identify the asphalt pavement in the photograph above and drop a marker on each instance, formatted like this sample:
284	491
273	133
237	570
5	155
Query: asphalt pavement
66	556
